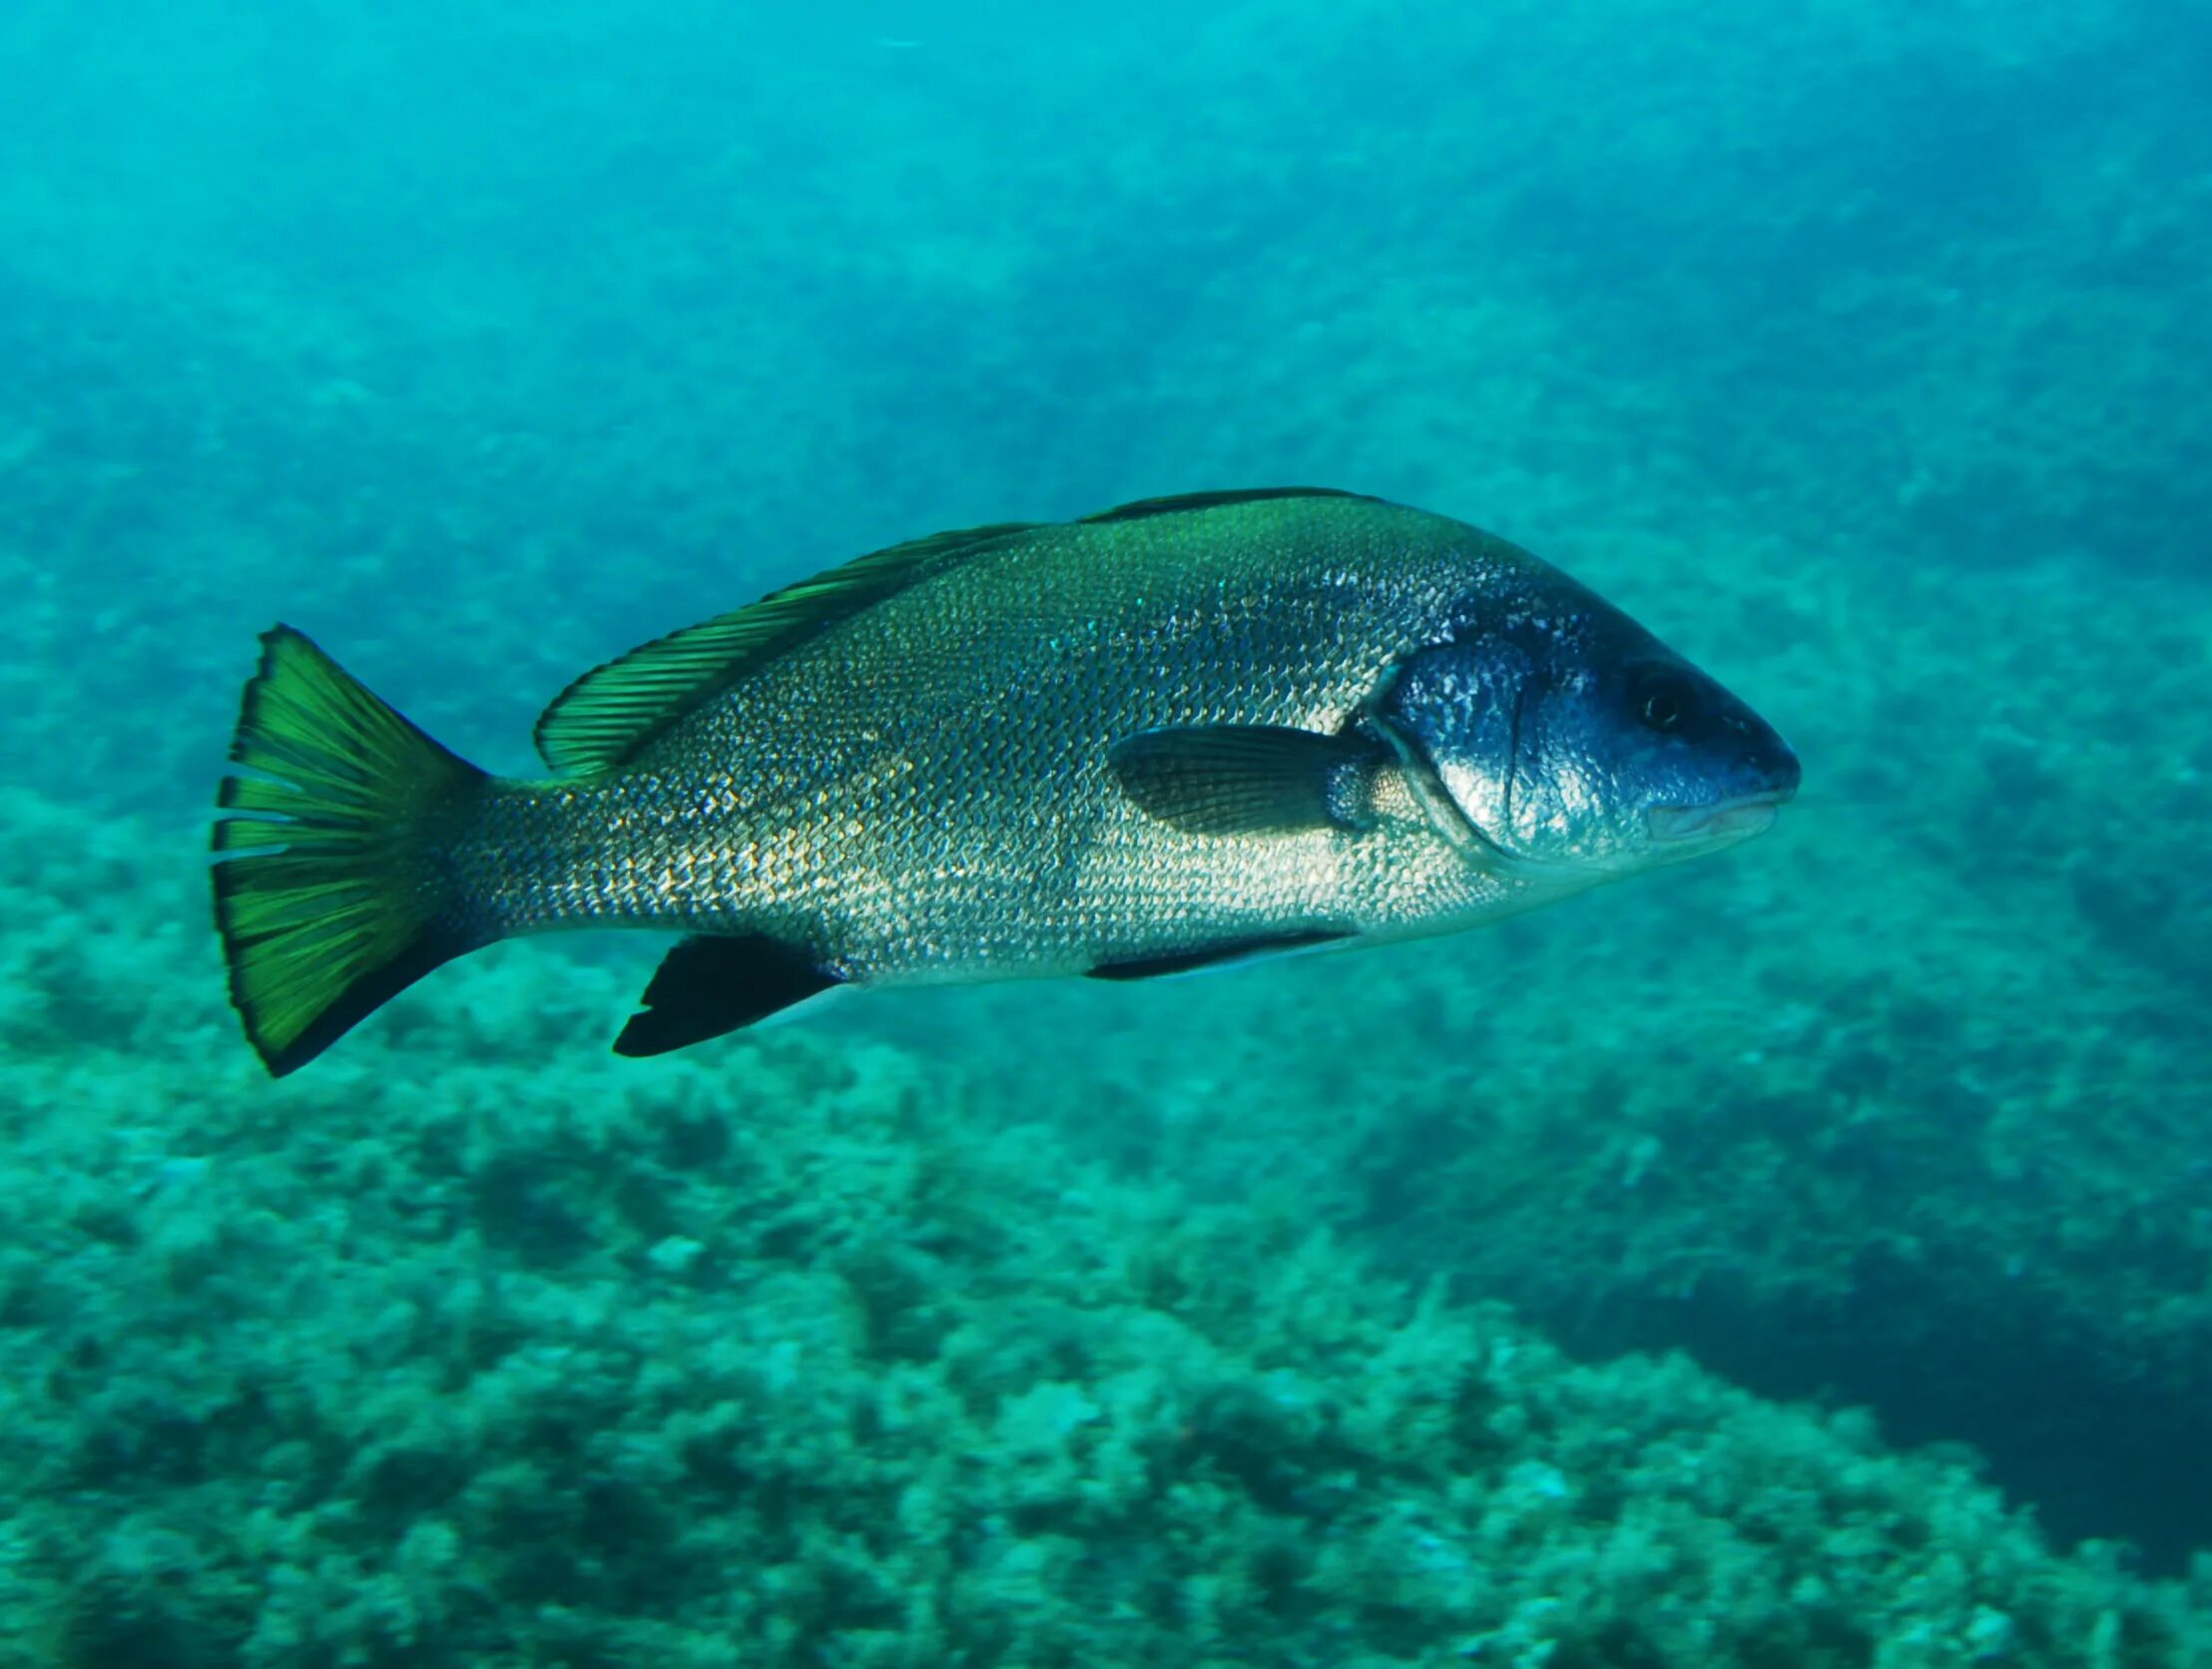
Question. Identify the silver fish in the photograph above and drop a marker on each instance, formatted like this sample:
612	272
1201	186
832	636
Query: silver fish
1177	734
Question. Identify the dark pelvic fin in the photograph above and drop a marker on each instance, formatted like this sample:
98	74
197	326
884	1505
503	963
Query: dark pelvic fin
329	891
1179	503
610	713
1248	778
711	984
1218	954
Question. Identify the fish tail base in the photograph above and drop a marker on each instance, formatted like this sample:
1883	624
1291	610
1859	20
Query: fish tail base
331	889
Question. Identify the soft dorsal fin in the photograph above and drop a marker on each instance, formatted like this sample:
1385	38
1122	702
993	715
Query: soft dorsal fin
1212	500
610	713
606	716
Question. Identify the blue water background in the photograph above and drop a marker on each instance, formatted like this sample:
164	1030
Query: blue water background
1858	347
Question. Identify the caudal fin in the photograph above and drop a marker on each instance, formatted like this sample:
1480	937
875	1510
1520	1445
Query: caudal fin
329	888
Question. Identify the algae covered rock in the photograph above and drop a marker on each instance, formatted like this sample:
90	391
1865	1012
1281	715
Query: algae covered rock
808	1355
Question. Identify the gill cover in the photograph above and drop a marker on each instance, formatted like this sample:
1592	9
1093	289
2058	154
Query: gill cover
1572	740
1455	710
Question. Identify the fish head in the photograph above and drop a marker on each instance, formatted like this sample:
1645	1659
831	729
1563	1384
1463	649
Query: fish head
1576	747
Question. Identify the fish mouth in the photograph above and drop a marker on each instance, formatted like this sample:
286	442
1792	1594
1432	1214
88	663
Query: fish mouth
1737	817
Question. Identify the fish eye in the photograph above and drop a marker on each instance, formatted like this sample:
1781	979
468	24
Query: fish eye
1663	698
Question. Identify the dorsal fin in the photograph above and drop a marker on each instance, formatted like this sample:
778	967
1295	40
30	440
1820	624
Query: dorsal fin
1210	500
610	713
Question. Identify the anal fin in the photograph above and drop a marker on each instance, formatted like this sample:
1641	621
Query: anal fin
713	983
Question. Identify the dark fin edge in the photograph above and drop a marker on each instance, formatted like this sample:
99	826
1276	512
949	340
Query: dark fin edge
1170	964
711	984
328	896
368	991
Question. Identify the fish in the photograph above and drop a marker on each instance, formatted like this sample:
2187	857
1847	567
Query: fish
1180	733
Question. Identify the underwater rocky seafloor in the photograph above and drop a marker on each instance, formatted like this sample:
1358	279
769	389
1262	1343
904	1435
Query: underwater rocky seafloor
477	1346
1847	345
1902	1104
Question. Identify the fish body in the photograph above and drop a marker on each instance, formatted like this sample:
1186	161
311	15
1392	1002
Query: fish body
1181	733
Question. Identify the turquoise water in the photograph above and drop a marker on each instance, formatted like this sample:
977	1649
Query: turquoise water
1798	1257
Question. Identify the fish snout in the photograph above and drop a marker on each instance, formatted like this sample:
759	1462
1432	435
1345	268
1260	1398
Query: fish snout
1746	796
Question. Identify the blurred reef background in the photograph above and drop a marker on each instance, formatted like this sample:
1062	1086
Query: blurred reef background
1799	1258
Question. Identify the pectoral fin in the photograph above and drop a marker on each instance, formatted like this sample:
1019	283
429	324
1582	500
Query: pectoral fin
711	984
1248	778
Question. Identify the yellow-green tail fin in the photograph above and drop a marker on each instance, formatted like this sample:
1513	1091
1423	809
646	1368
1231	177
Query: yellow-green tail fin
330	890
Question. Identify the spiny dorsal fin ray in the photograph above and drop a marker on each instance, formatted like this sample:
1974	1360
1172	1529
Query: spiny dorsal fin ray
1176	502
610	713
